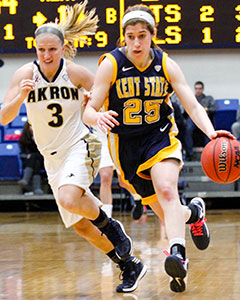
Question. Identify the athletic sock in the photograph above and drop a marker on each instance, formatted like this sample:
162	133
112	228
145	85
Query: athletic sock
102	220
177	245
112	255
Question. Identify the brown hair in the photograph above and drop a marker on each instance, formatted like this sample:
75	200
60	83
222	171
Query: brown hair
134	21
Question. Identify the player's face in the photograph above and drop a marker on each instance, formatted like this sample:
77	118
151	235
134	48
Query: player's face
49	51
138	41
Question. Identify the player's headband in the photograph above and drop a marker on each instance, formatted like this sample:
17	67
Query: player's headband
50	29
138	14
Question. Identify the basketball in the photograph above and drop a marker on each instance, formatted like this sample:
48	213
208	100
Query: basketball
220	160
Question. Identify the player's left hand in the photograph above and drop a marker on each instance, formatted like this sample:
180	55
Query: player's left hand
225	133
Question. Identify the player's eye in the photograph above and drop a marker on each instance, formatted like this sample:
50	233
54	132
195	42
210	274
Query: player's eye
142	36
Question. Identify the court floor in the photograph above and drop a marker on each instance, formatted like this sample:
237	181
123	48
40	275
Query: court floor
41	260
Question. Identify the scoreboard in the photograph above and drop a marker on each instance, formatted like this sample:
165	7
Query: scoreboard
182	24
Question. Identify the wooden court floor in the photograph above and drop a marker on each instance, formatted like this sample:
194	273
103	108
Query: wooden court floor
41	260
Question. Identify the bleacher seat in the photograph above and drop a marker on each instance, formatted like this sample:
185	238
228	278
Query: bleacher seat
10	164
11	134
226	113
18	122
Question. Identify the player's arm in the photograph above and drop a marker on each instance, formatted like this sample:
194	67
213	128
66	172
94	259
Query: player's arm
195	110
18	90
102	83
80	76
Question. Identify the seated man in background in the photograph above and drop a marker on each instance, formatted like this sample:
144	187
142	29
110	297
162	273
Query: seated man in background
236	126
209	105
32	161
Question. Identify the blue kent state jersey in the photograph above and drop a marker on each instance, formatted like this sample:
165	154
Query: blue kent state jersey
140	96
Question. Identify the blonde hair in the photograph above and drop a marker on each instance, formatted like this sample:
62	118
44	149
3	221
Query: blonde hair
72	27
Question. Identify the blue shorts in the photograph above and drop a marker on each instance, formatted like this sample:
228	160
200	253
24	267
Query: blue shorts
134	156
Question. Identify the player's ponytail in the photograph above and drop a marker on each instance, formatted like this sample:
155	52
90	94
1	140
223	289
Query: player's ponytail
76	23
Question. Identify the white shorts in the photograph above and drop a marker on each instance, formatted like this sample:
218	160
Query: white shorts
77	166
106	160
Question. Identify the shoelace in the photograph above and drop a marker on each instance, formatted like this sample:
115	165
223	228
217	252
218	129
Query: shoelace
126	270
197	228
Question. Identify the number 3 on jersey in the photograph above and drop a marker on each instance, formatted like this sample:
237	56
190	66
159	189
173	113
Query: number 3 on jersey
57	118
133	108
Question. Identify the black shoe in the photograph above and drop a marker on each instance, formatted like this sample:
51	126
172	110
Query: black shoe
132	271
137	210
199	230
176	267
117	236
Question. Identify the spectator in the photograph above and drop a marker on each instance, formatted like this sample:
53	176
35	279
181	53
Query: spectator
236	126
32	160
210	106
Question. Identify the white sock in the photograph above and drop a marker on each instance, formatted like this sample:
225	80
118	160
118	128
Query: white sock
180	241
107	208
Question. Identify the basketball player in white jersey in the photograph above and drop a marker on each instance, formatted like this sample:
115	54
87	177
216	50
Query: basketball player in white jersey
51	89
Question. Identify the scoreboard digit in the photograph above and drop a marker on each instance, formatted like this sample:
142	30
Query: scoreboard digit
182	24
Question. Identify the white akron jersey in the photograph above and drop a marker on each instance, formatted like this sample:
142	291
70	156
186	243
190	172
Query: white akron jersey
54	111
71	153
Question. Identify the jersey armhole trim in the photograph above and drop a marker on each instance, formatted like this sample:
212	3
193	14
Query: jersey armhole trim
164	64
114	63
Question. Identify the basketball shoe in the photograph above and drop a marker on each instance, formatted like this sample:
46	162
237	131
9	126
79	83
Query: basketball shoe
132	270
116	234
199	230
137	210
176	267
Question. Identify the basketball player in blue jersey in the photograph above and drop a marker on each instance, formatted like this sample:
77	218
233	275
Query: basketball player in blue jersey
51	88
134	83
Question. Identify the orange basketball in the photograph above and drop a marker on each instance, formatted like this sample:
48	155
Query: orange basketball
221	160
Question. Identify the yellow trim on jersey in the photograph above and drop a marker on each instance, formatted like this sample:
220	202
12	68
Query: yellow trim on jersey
164	65
161	155
113	61
150	199
145	68
106	104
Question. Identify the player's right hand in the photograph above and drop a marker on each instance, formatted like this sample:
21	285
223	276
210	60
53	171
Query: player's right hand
26	85
106	120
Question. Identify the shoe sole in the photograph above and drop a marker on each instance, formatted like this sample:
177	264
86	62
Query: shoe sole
134	287
127	255
177	272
